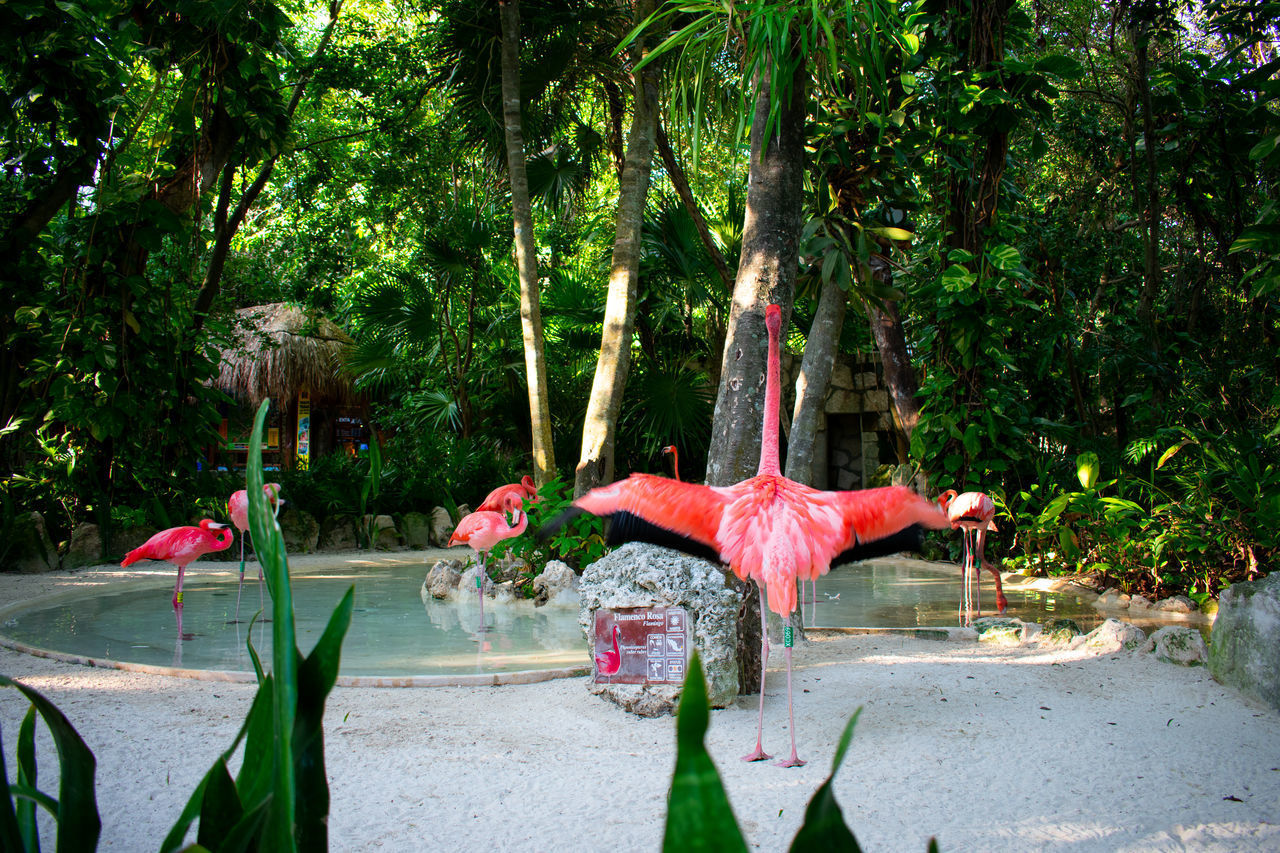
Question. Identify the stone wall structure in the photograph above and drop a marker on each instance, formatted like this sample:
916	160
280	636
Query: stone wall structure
856	434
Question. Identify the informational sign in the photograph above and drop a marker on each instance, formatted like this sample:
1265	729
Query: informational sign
304	429
641	645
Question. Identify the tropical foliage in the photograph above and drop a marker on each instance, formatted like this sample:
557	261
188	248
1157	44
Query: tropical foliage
1062	216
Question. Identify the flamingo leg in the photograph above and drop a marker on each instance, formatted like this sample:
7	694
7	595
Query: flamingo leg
966	595
481	576
240	586
794	760
1002	603
759	754
177	590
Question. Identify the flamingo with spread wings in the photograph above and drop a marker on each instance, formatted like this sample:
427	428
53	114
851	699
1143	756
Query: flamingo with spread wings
768	528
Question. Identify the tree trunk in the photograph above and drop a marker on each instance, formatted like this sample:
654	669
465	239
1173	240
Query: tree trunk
815	377
544	462
1151	237
766	274
600	427
899	375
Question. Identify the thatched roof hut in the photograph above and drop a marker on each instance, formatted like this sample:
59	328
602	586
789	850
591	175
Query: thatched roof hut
293	356
278	349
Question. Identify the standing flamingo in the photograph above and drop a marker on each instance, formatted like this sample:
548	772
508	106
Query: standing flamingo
483	529
768	528
609	662
493	502
180	546
675	459
973	513
238	509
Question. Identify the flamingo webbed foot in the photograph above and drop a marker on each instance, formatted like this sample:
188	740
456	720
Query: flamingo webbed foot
793	761
757	755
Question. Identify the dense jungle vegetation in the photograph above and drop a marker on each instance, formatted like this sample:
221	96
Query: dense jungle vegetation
1054	220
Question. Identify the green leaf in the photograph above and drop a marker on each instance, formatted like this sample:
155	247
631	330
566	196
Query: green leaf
79	823
699	816
824	827
1264	148
1087	469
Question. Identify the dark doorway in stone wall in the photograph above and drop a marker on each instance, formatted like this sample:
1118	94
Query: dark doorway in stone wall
857	445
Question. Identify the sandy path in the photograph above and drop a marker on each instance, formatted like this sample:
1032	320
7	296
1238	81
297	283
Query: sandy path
986	748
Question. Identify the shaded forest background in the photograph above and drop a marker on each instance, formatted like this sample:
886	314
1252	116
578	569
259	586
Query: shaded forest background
1055	221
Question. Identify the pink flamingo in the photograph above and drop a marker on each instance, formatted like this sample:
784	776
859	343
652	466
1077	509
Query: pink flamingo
675	459
768	528
609	662
180	546
493	502
973	513
238	509
483	529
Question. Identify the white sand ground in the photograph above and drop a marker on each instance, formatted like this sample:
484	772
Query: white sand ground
988	749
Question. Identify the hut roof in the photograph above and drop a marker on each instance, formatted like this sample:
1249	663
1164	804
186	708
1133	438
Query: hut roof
278	349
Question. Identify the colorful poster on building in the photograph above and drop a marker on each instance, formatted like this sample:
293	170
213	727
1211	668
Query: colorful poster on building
304	429
641	645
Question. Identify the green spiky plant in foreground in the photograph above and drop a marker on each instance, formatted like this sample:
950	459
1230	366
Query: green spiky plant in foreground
280	799
699	816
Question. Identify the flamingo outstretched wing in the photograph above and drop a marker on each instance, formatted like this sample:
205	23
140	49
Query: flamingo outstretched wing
871	515
662	511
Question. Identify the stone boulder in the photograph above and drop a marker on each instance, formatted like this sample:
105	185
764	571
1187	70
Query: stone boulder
1175	604
30	550
338	533
1060	632
441	527
1003	630
558	583
442	579
1114	635
415	527
467	582
1244	650
300	529
1176	644
85	548
642	575
124	540
1139	602
1112	599
385	535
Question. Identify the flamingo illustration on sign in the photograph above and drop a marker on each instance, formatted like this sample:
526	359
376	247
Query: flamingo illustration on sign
609	661
768	528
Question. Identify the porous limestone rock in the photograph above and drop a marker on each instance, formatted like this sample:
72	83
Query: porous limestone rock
642	575
415	527
441	527
124	540
1176	644
1244	649
1139	602
504	593
338	533
85	548
301	531
1114	635
558	583
30	548
443	579
467	583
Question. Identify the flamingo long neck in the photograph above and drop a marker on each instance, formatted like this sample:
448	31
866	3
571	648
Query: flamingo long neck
769	462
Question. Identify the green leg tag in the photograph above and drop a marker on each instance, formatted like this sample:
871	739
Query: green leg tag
788	636
178	598
477	581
